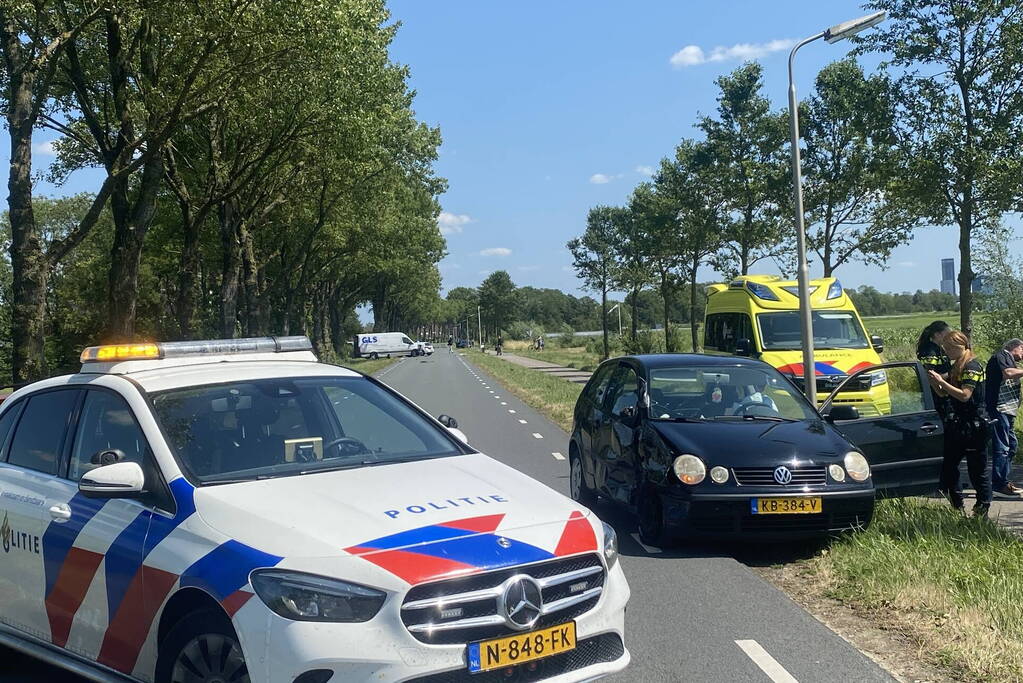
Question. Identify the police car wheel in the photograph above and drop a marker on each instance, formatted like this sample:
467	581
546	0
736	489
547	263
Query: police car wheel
201	648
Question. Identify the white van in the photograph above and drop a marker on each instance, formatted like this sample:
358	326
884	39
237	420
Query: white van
385	344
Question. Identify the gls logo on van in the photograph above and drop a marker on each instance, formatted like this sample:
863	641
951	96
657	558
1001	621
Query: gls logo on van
369	340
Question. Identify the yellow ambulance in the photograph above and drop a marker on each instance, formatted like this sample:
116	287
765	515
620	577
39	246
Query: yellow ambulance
758	316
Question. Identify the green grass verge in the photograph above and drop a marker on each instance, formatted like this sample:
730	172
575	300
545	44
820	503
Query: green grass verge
552	396
953	582
367	366
572	357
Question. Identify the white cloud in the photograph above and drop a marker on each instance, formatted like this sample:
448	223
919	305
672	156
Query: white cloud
645	170
692	55
600	178
528	268
451	223
496	251
44	149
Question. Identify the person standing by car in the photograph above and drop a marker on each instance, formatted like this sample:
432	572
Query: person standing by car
498	345
966	427
932	357
1003	397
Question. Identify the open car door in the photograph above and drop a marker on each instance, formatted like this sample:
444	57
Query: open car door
898	429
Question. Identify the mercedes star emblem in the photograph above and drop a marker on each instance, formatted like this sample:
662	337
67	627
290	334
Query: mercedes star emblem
782	475
521	602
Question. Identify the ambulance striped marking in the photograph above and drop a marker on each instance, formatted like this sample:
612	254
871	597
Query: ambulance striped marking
820	368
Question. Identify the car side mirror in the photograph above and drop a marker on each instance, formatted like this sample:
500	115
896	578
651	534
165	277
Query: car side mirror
743	347
842	412
448	421
119	480
877	343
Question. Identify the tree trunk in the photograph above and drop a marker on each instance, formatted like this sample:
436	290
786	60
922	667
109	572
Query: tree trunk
693	324
966	264
255	321
188	278
230	267
635	312
669	345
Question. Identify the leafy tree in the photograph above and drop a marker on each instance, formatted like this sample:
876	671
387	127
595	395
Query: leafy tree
853	208
659	238
746	142
498	300
958	67
594	257
635	272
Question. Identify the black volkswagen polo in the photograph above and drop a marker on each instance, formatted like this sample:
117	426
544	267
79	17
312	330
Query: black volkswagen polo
705	445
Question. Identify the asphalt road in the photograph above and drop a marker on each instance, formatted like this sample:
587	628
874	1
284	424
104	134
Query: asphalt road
697	614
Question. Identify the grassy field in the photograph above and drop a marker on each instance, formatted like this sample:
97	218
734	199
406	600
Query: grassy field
367	366
912	321
950	582
552	396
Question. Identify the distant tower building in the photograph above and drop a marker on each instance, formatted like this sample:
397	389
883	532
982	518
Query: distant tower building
948	276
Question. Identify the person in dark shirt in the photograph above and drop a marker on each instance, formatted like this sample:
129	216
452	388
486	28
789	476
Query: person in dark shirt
1003	399
932	357
966	427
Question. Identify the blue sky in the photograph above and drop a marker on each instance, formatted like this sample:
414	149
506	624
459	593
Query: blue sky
549	108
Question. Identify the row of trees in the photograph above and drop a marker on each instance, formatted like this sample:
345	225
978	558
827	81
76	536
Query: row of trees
934	138
262	170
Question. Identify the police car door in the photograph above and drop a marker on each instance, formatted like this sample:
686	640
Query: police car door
904	442
32	462
94	558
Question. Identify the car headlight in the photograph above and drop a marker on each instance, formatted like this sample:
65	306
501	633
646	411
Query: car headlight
879	377
718	475
305	597
836	472
610	545
689	469
856	465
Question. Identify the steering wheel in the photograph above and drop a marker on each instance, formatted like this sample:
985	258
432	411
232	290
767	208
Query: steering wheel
761	408
347	445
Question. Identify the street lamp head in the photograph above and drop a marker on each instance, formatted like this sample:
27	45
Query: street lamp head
854	26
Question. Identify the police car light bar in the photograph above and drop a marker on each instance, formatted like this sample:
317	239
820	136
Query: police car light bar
208	347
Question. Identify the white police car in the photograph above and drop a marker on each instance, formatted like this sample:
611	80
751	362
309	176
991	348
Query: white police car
236	511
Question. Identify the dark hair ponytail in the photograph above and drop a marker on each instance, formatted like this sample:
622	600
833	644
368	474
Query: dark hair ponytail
929	331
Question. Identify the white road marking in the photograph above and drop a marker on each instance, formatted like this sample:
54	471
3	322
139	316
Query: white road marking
504	403
768	664
511	411
648	548
522	422
537	435
491	391
558	456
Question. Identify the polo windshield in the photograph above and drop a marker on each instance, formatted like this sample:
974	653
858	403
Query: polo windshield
278	427
831	330
724	392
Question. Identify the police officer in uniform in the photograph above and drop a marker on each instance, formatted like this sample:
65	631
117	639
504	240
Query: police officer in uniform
932	357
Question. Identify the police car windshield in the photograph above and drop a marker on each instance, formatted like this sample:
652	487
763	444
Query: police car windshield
280	427
831	330
684	394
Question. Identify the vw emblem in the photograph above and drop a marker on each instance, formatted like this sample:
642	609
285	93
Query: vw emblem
503	542
521	602
782	475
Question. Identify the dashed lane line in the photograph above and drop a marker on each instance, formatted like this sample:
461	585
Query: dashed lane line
537	435
522	422
558	456
511	411
768	664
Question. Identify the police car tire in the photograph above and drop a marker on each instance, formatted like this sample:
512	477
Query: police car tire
191	627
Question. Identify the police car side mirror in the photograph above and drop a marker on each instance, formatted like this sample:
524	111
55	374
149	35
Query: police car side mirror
119	480
877	343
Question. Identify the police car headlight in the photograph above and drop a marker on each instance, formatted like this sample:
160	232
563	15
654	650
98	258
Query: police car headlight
877	378
610	545
689	469
305	597
856	465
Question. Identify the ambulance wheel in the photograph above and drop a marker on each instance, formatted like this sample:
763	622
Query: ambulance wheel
203	648
374	355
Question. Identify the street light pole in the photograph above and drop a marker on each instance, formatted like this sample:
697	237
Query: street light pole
619	307
479	321
831	35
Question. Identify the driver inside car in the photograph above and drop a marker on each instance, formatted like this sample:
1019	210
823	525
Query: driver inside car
757	397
